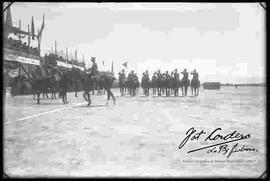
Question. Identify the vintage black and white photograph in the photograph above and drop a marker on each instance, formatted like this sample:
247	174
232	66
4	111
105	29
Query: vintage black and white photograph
134	90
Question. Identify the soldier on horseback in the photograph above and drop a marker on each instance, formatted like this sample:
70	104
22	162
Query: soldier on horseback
185	82
167	83
122	80
195	83
175	81
93	72
145	83
159	81
94	67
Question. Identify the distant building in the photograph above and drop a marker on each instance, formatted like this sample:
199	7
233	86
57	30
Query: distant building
211	85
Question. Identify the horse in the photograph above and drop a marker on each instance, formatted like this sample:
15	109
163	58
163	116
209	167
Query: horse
75	72
154	84
102	79
167	84
195	85
175	85
122	84
132	84
53	85
65	81
145	84
185	82
39	85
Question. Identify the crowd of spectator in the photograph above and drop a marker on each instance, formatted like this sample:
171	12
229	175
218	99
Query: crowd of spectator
52	58
21	46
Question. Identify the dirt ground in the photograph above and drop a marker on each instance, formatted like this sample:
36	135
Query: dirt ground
139	136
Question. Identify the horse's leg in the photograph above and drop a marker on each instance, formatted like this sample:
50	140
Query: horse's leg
89	99
84	95
186	89
182	89
52	94
38	97
66	96
109	90
63	96
197	91
47	94
76	93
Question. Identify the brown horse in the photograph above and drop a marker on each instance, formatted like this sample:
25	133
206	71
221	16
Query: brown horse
103	80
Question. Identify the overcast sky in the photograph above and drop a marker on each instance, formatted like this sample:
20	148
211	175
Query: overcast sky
223	42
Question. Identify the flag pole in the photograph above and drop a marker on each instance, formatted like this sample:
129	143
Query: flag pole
67	56
19	29
55	44
29	38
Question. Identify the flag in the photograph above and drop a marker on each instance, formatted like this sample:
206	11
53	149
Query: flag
8	18
42	27
125	64
33	28
8	23
112	68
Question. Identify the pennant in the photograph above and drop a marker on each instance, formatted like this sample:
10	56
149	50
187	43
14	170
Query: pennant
125	64
33	28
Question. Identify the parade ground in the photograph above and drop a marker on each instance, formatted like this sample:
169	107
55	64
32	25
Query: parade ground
139	136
